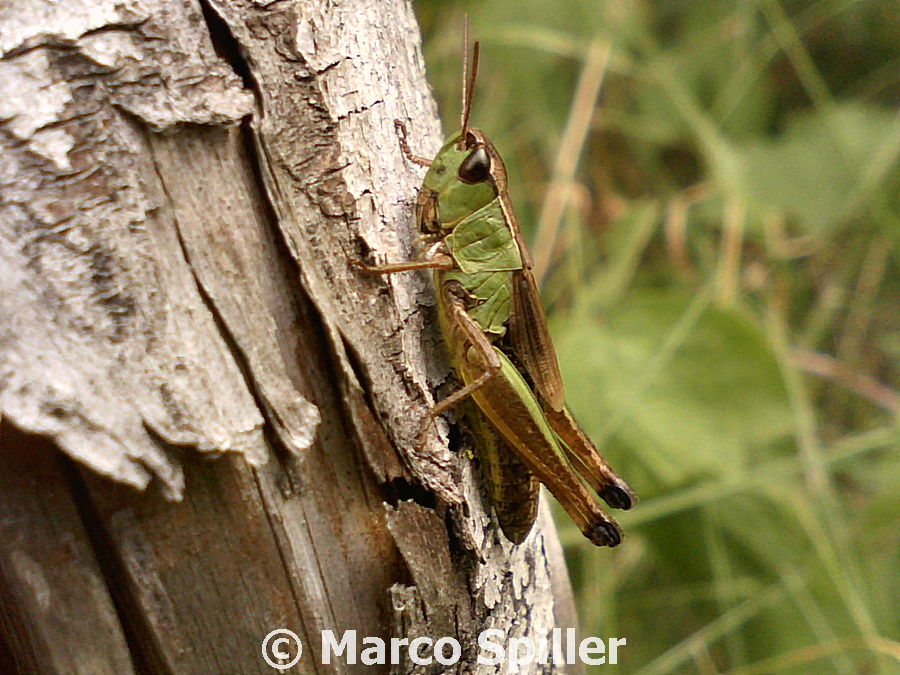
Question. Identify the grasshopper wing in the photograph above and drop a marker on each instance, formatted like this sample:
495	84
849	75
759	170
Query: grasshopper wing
530	339
528	332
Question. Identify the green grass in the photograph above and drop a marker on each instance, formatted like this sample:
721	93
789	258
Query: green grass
713	194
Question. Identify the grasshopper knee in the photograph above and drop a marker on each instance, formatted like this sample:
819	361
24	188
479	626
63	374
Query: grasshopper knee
617	496
604	533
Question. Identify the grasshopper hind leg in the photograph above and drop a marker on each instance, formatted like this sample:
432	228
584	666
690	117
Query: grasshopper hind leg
585	455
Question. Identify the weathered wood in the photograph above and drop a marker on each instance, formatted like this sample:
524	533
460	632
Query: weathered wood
108	344
184	189
56	612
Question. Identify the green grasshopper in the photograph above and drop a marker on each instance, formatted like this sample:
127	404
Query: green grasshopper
496	334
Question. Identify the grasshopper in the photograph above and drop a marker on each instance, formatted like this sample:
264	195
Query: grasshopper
496	334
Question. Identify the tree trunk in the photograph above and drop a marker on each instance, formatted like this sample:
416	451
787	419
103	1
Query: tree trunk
209	416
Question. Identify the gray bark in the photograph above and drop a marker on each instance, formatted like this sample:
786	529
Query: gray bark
209	416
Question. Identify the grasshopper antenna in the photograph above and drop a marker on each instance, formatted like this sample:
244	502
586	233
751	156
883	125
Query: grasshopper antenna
468	81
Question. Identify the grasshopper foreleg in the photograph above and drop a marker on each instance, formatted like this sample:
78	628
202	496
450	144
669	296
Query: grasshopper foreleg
436	258
437	263
404	146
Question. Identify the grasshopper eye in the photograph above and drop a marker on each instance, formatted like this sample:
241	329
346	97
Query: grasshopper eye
476	167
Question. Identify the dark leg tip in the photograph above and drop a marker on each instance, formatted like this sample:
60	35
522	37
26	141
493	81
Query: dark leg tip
604	534
617	496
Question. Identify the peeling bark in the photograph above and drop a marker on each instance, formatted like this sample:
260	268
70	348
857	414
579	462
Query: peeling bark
183	189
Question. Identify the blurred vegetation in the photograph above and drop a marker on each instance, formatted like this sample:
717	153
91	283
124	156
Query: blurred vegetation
713	195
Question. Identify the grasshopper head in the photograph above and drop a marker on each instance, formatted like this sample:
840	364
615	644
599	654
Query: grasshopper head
466	175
